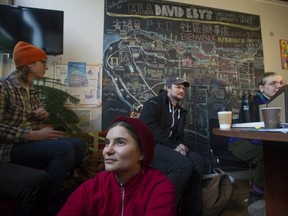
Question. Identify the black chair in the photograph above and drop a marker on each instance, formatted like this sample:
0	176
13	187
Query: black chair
221	157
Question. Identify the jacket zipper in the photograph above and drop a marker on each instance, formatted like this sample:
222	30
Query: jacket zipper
123	196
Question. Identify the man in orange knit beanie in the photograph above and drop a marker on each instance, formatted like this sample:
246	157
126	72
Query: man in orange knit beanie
21	113
25	53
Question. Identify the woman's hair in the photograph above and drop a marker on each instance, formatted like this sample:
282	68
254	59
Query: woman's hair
264	77
130	130
23	73
141	133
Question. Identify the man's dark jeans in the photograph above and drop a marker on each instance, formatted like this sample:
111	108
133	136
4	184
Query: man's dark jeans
23	184
57	157
186	174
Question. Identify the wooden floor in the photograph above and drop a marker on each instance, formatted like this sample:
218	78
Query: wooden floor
237	206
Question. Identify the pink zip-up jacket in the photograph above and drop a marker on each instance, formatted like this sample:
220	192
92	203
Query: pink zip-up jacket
148	193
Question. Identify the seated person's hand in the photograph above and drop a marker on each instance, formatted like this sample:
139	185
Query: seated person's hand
41	113
46	133
181	148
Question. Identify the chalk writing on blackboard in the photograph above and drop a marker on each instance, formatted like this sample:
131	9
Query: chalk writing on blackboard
219	52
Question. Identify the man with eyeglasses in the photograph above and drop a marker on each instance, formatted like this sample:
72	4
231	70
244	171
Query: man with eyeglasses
22	139
250	151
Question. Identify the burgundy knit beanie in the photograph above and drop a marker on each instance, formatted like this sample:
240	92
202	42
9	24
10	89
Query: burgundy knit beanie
25	53
145	137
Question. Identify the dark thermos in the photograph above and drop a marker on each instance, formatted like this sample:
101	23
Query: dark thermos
248	112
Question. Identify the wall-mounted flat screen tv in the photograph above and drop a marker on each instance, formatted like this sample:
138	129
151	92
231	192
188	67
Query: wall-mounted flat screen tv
40	27
10	18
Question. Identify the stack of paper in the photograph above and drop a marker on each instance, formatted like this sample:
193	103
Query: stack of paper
249	125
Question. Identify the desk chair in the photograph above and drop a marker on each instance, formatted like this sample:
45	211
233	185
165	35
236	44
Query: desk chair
221	157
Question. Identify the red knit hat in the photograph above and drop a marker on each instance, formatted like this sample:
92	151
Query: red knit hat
25	53
145	137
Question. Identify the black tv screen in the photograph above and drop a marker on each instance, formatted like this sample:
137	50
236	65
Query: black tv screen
10	22
40	27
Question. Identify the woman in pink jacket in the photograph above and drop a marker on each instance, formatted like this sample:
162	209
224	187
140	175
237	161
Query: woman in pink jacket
127	187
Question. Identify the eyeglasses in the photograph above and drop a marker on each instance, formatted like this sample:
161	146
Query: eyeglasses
44	62
275	83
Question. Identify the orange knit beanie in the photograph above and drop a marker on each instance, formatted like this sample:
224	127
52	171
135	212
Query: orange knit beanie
25	53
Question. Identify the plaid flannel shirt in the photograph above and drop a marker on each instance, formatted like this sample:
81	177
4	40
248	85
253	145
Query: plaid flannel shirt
16	113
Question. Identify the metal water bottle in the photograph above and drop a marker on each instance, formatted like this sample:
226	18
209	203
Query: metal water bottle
247	108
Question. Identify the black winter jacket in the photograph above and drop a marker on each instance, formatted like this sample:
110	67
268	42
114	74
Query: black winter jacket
155	114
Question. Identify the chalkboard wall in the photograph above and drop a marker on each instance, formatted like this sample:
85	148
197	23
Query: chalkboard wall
218	51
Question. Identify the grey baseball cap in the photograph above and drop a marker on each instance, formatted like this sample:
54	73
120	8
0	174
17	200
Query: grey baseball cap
176	81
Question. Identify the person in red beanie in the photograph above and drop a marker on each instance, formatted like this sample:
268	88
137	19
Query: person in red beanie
22	141
128	186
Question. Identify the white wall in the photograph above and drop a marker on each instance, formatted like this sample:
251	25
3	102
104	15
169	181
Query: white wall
83	29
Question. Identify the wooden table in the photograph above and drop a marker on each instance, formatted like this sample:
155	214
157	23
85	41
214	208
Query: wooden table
275	151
